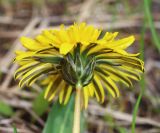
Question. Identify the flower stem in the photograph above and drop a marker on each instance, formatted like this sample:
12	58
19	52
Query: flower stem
77	111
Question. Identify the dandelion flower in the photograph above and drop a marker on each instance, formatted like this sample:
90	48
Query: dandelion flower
77	57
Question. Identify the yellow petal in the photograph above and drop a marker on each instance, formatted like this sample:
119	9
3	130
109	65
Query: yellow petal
109	85
61	94
64	35
122	43
23	54
65	48
114	86
20	71
69	90
44	40
47	80
96	35
48	89
116	75
91	91
98	81
110	36
55	41
85	94
59	87
25	78
30	43
91	86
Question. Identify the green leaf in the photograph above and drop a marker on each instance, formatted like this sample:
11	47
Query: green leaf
122	130
40	104
5	109
60	119
15	129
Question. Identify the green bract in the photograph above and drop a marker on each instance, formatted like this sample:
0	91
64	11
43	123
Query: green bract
76	68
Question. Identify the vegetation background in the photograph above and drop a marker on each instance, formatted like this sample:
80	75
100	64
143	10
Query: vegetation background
139	106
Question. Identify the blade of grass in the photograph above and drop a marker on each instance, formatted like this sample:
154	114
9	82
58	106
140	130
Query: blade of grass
142	81
147	6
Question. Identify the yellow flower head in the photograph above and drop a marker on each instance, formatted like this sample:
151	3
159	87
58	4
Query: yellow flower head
77	56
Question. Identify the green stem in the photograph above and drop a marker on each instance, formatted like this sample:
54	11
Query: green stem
77	111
